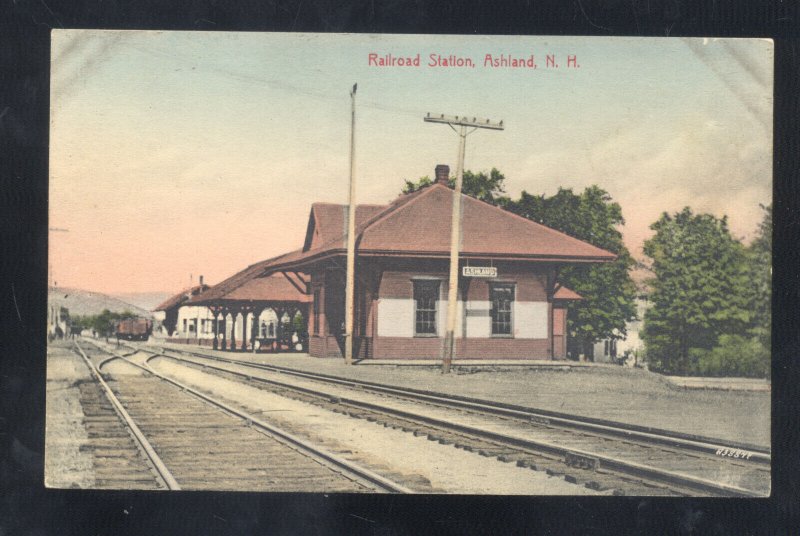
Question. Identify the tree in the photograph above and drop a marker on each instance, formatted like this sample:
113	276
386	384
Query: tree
103	324
734	355
760	258
608	291
699	292
485	186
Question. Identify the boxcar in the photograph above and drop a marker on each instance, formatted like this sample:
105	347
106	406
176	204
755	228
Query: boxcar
134	329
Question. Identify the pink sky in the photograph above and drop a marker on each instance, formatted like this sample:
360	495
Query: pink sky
200	153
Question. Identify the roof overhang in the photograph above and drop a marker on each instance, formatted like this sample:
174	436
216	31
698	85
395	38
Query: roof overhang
312	259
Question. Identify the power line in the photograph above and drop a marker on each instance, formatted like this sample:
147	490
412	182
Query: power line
282	85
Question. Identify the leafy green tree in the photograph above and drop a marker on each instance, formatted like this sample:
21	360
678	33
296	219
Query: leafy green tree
699	292
84	322
608	291
734	355
298	325
485	186
760	256
103	323
413	186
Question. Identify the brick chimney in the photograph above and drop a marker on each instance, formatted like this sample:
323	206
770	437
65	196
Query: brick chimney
201	280
442	174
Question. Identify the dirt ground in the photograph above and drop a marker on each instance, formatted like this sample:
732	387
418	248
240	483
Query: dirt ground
620	394
64	463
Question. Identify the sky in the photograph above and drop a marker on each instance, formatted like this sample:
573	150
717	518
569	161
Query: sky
175	154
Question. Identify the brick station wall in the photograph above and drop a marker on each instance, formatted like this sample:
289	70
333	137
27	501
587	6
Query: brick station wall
431	348
397	287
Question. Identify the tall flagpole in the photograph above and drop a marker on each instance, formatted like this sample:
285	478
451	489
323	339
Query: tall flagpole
351	238
455	223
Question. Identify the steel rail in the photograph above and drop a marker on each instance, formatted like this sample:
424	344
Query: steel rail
528	445
630	432
103	362
305	446
162	470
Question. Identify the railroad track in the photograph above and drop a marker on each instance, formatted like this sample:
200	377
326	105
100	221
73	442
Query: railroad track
189	440
119	459
598	454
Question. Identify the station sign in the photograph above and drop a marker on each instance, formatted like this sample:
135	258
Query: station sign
479	271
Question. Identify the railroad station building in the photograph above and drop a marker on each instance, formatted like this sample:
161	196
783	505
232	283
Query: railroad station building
510	303
172	317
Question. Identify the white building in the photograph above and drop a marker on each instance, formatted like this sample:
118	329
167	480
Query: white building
611	350
197	322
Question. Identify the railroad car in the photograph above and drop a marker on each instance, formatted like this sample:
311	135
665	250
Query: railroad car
134	329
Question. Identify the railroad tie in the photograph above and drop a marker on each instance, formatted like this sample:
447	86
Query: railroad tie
581	461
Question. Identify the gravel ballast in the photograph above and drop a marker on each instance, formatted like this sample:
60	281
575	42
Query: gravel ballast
442	468
631	396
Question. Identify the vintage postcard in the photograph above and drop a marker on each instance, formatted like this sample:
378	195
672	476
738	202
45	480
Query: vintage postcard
409	264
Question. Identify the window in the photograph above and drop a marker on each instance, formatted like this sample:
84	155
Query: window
502	297
426	299
184	325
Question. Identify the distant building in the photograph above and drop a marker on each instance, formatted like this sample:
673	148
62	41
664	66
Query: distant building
631	346
58	322
168	315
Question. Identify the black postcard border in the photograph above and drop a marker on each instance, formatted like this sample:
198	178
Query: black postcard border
26	507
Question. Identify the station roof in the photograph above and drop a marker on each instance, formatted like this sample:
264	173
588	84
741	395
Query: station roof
327	223
487	230
181	297
275	287
248	285
413	225
418	225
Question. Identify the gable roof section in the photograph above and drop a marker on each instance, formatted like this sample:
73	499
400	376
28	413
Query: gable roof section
486	231
419	224
181	297
274	288
564	293
220	291
327	223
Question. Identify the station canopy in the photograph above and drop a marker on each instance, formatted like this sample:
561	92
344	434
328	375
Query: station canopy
255	288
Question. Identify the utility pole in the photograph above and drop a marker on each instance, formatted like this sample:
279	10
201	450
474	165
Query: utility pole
455	223
50	255
351	238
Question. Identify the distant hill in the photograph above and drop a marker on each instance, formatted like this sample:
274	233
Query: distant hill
85	302
145	300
